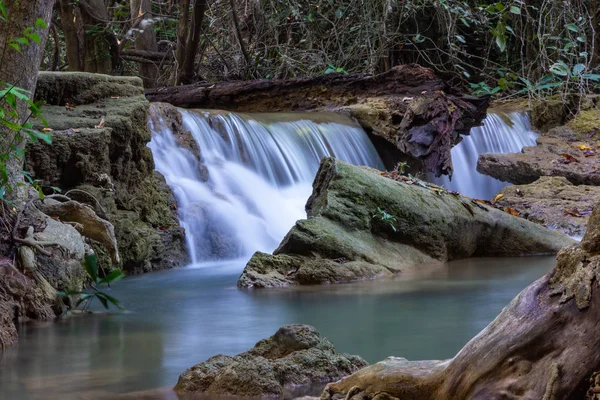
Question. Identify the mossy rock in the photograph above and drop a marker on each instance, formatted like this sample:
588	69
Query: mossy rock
100	147
345	240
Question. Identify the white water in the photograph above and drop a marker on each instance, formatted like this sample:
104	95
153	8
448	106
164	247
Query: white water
495	136
259	176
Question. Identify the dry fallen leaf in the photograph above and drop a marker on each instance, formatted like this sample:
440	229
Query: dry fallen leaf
46	130
115	97
498	197
568	158
585	147
511	211
573	212
100	125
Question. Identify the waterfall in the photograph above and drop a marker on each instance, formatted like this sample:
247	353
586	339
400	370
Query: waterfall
254	174
500	133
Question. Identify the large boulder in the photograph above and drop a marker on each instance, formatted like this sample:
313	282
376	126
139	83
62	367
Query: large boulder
99	156
362	225
543	345
297	355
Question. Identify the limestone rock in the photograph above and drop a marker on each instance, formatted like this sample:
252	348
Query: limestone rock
296	355
569	151
347	236
554	202
100	132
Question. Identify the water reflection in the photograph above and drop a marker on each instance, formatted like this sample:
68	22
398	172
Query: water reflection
180	317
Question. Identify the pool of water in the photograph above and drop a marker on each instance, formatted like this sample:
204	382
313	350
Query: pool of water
177	318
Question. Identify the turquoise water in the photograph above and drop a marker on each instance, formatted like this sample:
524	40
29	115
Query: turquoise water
181	317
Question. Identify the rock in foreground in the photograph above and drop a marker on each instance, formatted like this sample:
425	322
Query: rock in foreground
296	355
362	225
543	345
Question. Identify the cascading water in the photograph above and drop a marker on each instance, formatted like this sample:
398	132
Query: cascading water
254	176
500	133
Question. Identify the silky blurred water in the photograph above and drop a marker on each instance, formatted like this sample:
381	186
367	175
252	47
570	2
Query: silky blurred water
260	170
178	318
501	133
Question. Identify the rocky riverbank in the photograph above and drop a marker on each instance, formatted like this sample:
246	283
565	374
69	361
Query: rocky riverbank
99	156
559	178
362	225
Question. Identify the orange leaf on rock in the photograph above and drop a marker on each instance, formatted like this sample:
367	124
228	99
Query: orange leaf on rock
511	211
498	197
568	158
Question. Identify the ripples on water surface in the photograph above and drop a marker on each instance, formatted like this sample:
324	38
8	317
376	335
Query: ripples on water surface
178	318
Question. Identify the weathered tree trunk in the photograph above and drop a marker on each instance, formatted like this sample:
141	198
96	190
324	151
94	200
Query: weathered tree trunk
543	345
408	106
89	46
20	69
188	37
145	40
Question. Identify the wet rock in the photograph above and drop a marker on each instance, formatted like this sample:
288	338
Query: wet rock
99	156
362	225
554	202
296	355
574	159
541	346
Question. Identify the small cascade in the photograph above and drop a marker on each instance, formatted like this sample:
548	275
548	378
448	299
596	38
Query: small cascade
500	133
254	174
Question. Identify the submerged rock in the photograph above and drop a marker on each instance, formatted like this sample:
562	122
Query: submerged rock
296	355
99	156
362	225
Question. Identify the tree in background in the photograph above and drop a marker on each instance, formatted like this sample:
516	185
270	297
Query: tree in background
23	33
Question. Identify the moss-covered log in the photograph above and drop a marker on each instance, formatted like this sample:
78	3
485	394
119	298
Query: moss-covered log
408	106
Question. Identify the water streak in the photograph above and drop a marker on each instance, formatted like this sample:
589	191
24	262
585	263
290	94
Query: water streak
260	169
500	133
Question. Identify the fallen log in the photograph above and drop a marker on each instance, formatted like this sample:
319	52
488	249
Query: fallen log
408	106
543	345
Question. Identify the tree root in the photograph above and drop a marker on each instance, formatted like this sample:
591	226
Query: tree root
85	220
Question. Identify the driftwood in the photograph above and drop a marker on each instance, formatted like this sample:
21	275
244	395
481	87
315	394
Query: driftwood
543	345
408	106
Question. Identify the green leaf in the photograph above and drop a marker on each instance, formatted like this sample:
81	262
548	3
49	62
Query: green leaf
572	27
3	15
114	276
15	46
114	301
578	69
35	37
46	137
560	68
102	299
91	266
84	297
515	10
591	77
40	24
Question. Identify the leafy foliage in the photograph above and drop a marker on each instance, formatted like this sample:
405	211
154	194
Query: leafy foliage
85	297
388	219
